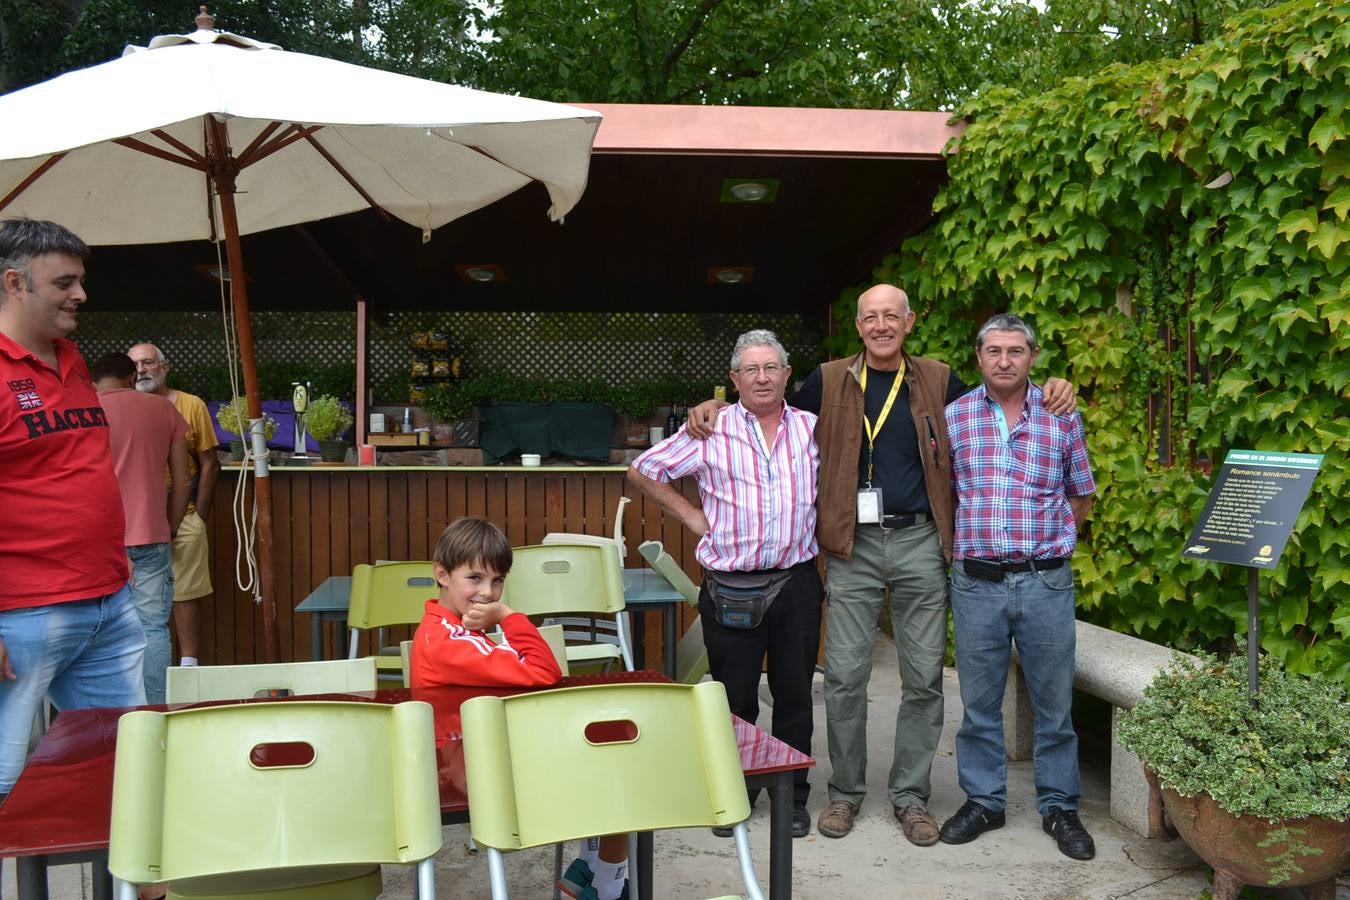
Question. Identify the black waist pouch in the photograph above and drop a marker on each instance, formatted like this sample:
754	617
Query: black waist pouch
740	599
982	569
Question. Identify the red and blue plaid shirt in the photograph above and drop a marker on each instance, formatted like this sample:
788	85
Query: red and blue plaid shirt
760	501
1012	490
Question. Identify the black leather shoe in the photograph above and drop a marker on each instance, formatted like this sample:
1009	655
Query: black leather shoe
1072	838
970	821
801	821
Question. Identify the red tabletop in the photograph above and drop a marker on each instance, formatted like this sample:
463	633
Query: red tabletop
61	802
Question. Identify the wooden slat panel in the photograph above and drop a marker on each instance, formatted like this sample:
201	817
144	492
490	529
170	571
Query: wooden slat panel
515	518
358	521
212	649
418	521
379	519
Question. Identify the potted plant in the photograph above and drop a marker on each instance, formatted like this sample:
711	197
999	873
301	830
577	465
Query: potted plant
1258	787
450	405
327	419
233	417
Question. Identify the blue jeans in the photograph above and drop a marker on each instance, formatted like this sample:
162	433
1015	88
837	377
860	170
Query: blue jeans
152	596
83	654
1035	609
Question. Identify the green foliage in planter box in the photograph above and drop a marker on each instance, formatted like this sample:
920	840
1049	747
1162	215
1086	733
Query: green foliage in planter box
1284	758
449	400
326	418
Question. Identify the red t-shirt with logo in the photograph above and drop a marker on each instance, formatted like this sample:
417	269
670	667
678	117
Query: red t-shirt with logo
63	533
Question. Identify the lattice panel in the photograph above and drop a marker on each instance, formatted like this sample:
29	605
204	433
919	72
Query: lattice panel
618	347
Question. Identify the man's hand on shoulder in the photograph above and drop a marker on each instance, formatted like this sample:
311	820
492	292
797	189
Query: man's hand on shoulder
1060	396
702	418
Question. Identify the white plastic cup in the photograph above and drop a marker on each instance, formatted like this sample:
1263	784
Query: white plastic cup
529	460
655	435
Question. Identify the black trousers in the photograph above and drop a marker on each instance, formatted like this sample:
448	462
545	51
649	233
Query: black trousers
790	635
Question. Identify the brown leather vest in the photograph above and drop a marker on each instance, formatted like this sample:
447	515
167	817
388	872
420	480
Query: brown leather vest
839	435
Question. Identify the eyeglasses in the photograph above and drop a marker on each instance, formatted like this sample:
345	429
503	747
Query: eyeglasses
769	370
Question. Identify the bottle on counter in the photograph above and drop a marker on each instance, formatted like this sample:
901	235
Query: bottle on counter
672	421
407	420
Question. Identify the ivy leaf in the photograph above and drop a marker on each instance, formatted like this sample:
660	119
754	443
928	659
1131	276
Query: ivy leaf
1339	201
1328	238
1325	132
1232	384
1251	290
1297	221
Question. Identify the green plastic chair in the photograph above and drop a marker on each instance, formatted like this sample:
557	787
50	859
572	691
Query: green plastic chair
296	800
566	579
691	655
552	634
553	766
385	594
195	684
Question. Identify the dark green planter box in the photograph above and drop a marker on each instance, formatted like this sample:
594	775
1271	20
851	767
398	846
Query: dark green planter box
578	430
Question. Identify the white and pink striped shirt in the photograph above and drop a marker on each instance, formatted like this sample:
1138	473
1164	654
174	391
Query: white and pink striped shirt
760	502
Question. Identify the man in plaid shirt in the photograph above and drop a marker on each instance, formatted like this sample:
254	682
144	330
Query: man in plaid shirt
1023	487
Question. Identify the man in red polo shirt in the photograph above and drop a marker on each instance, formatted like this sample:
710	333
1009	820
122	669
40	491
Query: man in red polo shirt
67	626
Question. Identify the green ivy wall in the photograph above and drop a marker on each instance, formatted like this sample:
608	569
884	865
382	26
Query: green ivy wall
1177	232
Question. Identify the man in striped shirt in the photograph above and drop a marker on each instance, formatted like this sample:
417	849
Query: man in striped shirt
1023	488
761	592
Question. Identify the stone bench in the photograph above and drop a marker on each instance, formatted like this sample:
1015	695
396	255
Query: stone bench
1115	667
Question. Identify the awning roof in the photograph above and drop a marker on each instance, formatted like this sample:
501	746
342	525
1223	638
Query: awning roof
648	234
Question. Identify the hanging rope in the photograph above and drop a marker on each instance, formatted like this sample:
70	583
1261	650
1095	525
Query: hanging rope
244	514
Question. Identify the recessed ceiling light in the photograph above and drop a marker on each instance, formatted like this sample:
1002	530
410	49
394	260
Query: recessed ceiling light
759	191
481	274
730	274
750	191
215	273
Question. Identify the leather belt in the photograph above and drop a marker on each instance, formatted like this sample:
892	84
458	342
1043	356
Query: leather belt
905	520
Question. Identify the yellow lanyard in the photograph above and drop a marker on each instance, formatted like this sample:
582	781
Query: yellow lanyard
868	428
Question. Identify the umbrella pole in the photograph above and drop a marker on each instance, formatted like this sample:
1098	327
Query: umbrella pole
262	484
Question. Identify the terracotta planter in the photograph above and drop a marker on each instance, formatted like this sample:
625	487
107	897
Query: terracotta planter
1229	844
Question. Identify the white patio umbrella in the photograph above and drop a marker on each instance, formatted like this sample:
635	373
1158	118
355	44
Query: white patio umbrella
154	147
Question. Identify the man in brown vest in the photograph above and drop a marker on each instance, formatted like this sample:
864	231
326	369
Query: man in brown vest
884	520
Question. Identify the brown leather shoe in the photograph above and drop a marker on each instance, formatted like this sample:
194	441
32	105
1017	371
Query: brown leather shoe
918	824
836	819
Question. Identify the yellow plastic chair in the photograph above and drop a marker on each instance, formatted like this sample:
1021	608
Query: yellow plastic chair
552	635
194	684
691	655
385	594
552	766
297	800
566	579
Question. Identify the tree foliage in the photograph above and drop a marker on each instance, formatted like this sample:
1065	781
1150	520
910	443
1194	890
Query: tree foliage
1178	233
415	37
910	54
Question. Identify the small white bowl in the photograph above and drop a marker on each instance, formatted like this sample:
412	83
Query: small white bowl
529	460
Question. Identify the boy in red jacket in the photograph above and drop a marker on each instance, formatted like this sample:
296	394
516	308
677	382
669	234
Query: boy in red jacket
450	648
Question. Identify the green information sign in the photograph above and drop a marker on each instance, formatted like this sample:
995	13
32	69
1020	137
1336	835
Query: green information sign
1251	509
